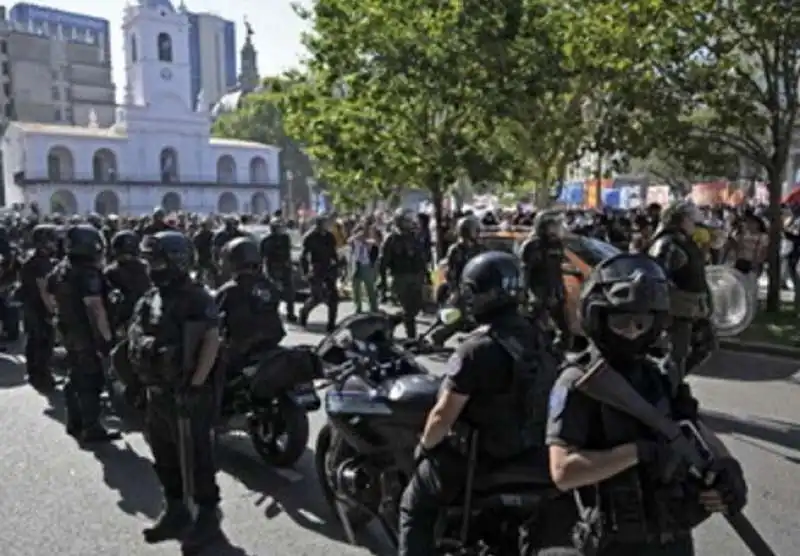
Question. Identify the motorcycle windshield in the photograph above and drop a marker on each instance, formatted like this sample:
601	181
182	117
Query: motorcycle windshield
368	328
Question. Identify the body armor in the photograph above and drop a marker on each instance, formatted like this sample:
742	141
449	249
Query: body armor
514	422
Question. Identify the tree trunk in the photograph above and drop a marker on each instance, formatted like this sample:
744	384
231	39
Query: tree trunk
774	244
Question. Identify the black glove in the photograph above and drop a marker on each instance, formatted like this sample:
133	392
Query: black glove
660	461
684	404
730	484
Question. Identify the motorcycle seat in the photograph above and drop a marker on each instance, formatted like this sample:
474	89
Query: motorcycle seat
526	475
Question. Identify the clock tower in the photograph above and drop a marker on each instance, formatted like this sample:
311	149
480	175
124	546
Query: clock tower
157	56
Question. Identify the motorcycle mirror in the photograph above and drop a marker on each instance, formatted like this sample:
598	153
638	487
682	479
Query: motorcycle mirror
449	315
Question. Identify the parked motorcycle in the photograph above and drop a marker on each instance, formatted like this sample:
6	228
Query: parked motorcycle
268	396
377	403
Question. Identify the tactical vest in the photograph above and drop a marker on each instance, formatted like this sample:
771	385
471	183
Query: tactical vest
635	508
515	421
154	339
74	323
692	276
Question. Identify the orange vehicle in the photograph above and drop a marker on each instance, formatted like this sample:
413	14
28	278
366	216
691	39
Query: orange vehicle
581	254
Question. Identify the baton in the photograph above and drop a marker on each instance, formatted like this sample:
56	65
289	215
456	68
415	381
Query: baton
185	450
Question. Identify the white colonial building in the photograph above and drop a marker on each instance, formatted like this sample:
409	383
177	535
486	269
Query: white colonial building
158	153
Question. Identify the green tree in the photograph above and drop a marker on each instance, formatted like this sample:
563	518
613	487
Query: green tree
425	97
737	66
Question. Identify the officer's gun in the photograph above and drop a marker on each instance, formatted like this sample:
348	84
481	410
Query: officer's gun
602	383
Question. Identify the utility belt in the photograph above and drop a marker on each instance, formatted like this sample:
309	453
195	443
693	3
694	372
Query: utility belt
688	305
154	364
624	514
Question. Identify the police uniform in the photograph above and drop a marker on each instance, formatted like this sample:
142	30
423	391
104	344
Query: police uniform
542	259
651	507
248	304
276	250
684	264
320	261
402	255
650	518
129	277
507	376
458	256
39	330
70	284
158	329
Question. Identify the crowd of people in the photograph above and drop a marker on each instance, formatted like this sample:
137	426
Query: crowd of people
127	287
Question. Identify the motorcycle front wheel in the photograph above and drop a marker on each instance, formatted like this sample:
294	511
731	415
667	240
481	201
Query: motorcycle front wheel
326	462
280	435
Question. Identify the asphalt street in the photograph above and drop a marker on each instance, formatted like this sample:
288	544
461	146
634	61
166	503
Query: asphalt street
56	499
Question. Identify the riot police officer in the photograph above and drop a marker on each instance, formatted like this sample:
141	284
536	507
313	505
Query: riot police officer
459	254
126	275
684	264
641	482
173	341
38	306
248	303
319	260
158	223
402	255
497	384
542	256
276	250
81	296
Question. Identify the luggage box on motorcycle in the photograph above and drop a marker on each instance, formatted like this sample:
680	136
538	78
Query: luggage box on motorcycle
282	368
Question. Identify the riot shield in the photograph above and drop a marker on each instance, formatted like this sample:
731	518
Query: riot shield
734	300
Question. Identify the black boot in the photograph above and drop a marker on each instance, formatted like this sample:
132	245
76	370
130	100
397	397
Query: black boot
98	433
173	523
205	531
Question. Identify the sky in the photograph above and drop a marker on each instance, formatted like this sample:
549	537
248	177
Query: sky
277	28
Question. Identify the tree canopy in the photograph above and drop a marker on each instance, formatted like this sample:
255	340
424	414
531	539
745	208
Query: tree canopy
417	93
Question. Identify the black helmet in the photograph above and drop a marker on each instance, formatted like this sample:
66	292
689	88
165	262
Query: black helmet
469	227
170	255
491	283
125	242
45	238
84	241
625	304
544	220
242	254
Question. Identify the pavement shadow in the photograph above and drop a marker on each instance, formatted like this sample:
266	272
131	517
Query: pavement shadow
729	365
132	476
124	469
780	433
12	370
223	547
301	500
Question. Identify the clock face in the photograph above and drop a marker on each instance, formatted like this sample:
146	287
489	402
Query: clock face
166	74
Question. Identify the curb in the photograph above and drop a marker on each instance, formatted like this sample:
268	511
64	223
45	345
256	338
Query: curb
777	350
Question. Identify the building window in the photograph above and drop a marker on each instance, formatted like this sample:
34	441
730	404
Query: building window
7	89
3	47
56	93
6	68
58	116
68	115
134	49
164	47
9	110
56	75
67	94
